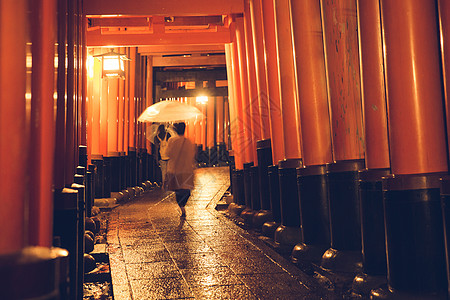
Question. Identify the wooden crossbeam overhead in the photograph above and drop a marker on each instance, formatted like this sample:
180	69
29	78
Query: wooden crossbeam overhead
183	61
181	49
116	39
163	8
210	92
191	75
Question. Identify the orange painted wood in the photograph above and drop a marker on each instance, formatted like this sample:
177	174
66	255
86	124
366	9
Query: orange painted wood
416	121
260	66
235	121
120	115
83	79
276	124
126	128
42	131
210	122
95	97
164	8
132	99
112	118
444	24
342	57
97	39
244	109
287	80
61	88
70	149
13	124
220	120
255	119
104	118
372	85
312	83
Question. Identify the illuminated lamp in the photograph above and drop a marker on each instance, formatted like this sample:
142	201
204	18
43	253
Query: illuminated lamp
201	100
113	64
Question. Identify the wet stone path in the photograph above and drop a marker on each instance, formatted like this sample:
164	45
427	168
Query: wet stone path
155	254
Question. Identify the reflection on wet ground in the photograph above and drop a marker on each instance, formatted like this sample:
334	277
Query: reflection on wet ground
155	254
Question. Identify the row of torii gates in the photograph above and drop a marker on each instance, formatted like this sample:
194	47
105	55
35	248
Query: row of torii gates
340	108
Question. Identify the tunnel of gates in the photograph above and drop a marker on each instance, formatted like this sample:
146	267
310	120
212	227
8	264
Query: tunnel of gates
337	113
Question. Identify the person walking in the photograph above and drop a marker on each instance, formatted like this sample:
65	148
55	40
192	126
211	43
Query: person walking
180	167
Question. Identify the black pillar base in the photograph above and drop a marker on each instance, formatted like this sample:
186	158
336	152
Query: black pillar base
268	229
363	284
247	215
372	232
238	186
342	261
264	154
261	217
345	220
303	254
288	236
35	273
414	234
313	193
385	293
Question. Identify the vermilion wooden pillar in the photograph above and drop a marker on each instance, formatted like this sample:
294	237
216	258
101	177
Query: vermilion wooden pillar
42	123
373	92
444	22
413	76
315	130
72	96
247	142
311	82
60	136
237	119
13	124
343	70
255	118
287	80
276	124
232	94
112	94
413	215
341	41
132	98
260	67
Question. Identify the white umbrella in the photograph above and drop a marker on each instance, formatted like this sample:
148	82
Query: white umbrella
170	111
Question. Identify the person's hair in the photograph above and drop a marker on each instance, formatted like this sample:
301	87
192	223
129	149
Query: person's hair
180	127
161	131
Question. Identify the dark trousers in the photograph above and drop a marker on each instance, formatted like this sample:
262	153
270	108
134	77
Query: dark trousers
182	196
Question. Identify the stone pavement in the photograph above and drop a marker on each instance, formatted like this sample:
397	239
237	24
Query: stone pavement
155	254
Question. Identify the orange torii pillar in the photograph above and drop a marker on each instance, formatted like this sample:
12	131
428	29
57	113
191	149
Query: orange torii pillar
253	113
377	147
342	59
413	216
444	22
243	108
289	232
241	60
237	172
275	115
265	157
259	107
316	131
132	104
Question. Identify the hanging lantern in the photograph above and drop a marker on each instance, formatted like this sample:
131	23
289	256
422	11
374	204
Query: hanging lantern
113	64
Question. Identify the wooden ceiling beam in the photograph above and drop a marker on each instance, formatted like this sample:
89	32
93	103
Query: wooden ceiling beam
96	39
181	61
180	49
163	8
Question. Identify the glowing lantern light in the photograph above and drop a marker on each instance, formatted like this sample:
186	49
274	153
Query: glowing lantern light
113	64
